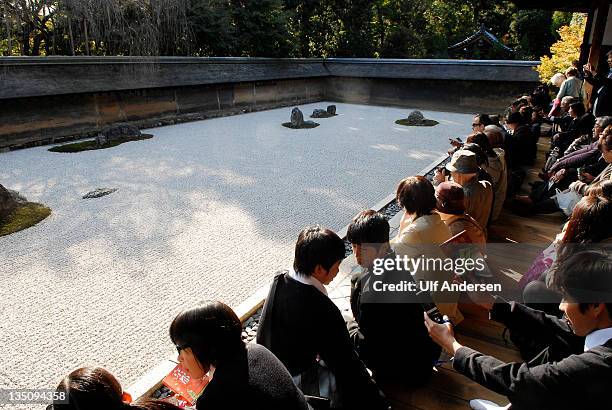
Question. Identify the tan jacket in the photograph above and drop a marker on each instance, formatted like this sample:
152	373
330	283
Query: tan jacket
500	185
478	200
427	229
459	223
422	237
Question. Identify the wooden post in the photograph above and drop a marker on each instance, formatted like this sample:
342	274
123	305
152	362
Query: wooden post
598	33
598	26
584	47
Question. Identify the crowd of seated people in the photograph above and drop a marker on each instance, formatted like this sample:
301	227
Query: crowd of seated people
309	354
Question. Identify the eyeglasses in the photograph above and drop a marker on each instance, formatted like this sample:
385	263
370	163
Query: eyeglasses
474	125
179	348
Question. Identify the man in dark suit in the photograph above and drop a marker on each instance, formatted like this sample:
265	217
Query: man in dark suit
602	86
387	329
582	124
303	327
563	375
523	146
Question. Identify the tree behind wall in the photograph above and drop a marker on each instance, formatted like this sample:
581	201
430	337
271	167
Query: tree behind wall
261	28
564	51
531	33
211	27
271	28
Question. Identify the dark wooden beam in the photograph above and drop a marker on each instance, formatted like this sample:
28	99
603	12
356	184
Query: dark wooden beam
582	6
599	28
585	46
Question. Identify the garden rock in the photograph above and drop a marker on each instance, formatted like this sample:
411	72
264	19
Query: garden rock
98	193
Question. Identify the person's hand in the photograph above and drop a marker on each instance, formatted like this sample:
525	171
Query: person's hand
558	176
455	143
439	176
555	137
442	334
587	68
574	186
586	177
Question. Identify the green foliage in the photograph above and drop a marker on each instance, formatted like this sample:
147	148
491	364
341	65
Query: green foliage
530	32
355	36
269	28
91	145
261	28
564	51
403	25
23	217
210	24
560	19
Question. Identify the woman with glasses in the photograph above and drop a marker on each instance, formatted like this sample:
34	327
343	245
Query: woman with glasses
208	340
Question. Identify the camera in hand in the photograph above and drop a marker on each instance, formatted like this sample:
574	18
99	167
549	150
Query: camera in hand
429	307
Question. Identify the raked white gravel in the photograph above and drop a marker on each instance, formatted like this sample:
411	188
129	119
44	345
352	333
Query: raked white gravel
204	210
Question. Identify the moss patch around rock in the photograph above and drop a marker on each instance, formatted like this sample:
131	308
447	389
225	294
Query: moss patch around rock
91	144
424	123
328	115
25	216
306	125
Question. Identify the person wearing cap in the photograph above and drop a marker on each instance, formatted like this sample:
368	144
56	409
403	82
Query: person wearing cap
478	195
449	196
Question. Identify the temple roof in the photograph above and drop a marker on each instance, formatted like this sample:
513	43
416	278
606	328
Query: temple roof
481	35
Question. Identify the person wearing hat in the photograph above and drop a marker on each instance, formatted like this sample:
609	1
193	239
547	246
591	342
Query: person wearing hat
478	195
449	197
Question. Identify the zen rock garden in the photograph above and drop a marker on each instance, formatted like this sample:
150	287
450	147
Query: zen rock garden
416	119
16	213
107	138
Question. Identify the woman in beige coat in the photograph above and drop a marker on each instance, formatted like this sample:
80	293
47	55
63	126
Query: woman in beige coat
421	232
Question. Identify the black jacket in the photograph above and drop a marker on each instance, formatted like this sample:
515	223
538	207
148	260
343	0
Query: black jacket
562	376
389	332
302	324
602	86
582	125
254	379
523	147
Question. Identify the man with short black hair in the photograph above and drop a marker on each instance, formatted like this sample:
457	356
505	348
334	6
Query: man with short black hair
479	122
564	375
388	330
303	327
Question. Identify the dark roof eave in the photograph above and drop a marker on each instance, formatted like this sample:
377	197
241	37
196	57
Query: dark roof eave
582	6
482	33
